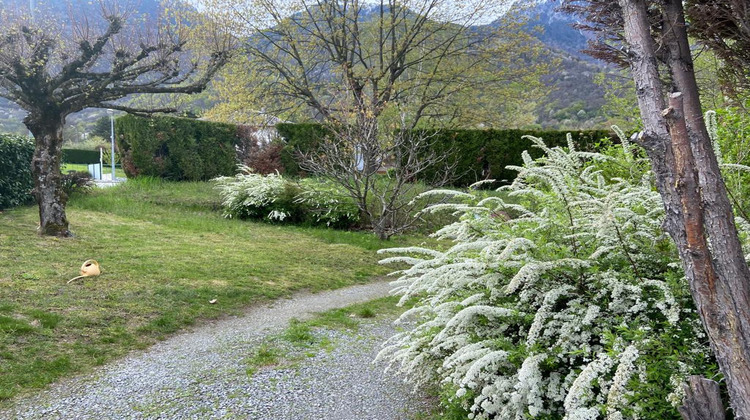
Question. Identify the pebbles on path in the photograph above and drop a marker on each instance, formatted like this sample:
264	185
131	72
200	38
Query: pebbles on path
202	374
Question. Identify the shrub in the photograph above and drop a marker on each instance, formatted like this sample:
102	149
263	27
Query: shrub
263	157
16	181
326	203
176	148
567	303
77	182
298	138
270	197
252	195
474	154
732	134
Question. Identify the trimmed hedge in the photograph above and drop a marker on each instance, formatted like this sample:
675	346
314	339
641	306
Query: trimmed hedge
80	156
176	148
476	154
16	181
298	137
485	154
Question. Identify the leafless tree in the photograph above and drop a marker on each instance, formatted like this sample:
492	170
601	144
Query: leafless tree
379	174
52	67
371	71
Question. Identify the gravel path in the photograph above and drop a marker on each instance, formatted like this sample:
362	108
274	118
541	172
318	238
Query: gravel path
202	374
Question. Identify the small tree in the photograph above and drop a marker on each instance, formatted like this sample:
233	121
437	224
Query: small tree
371	71
52	68
379	173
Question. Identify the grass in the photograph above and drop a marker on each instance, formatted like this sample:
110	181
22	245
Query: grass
119	173
299	340
165	253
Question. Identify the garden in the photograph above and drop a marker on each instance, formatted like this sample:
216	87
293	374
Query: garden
540	273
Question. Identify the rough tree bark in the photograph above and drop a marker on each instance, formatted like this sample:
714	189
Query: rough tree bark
47	129
702	400
699	214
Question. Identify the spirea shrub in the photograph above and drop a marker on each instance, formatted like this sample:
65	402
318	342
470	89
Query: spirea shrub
326	203
561	299
270	197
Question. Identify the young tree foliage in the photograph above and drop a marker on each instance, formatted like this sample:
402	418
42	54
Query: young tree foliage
100	52
372	71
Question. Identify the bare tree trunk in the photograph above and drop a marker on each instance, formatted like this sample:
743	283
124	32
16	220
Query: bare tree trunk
699	215
45	167
702	400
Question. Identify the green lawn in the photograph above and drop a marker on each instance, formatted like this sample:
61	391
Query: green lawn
165	253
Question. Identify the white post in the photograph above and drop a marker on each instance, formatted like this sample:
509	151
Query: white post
112	137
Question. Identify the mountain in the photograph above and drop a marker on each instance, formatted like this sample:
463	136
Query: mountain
574	101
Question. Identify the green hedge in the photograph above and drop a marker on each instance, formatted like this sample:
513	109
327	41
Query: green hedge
485	154
298	137
176	148
16	181
476	154
80	156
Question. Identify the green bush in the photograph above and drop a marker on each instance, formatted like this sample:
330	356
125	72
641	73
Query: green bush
250	195
77	182
474	154
485	154
176	148
80	156
298	138
16	181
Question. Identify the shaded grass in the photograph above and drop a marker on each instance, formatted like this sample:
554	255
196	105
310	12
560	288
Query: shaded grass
165	253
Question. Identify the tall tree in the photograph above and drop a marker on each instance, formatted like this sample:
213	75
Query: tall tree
371	71
650	37
52	67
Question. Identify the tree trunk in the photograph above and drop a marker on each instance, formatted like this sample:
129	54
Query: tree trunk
45	167
725	306
698	212
702	400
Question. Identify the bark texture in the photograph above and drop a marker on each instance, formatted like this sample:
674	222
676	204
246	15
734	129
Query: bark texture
702	400
699	214
45	167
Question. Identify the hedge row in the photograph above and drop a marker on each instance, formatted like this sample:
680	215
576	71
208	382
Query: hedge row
176	148
485	154
298	137
80	156
475	154
16	181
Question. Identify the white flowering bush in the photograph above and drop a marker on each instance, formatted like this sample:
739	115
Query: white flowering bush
327	203
561	299
273	198
252	195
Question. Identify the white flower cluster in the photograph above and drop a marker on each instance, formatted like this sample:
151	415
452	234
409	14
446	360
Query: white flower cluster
247	193
328	202
273	198
546	313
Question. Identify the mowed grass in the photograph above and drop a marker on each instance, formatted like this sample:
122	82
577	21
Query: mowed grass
165	252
